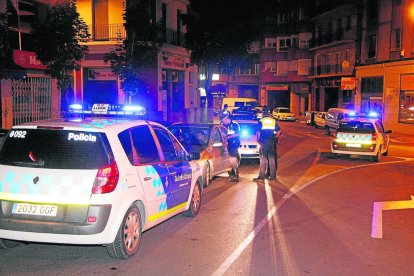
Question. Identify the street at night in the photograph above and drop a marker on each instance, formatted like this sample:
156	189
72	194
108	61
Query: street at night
322	216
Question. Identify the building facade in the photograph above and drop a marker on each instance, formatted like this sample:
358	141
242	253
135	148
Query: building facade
385	76
334	53
27	92
170	90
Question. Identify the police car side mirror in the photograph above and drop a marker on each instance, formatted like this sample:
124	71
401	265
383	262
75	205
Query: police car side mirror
194	155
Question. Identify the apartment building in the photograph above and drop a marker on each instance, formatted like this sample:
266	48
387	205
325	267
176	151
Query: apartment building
385	76
335	50
170	90
27	92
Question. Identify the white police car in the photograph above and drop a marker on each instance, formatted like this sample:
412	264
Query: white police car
93	181
249	146
361	136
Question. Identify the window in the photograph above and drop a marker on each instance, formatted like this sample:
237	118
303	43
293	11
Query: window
406	113
139	145
283	44
217	136
396	38
372	85
372	46
270	66
56	149
282	68
270	42
167	145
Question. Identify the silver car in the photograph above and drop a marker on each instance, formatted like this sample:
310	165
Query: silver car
210	141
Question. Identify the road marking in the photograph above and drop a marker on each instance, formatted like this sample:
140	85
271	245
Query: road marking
296	188
376	230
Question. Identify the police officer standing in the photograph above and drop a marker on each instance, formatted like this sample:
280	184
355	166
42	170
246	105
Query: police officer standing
224	112
267	136
233	144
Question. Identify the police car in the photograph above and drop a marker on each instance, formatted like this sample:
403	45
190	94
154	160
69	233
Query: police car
361	136
249	146
93	180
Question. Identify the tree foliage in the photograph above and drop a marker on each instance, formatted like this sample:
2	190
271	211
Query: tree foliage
138	51
58	36
220	32
4	35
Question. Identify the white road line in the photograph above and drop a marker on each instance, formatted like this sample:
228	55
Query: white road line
292	191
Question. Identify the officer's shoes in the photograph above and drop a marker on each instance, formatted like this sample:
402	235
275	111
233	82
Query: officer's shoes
258	179
234	179
272	178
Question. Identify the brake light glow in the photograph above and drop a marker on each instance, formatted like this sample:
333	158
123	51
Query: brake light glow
106	179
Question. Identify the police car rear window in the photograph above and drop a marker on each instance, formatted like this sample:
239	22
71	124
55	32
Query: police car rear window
356	127
55	149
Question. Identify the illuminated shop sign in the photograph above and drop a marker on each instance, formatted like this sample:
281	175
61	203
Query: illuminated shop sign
27	59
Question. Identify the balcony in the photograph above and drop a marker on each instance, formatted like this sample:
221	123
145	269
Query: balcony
333	37
107	32
333	69
172	37
115	32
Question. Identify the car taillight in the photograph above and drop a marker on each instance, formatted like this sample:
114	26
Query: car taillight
374	136
106	179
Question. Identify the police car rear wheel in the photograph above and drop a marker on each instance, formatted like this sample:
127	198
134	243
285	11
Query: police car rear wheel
377	157
128	238
195	202
206	175
7	244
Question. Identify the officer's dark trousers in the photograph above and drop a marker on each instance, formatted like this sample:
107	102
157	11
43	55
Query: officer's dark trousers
267	159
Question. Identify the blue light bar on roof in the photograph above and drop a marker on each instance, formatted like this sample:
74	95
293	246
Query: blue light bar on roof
373	114
107	109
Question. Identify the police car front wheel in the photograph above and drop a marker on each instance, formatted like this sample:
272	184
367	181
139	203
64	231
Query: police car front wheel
195	202
128	238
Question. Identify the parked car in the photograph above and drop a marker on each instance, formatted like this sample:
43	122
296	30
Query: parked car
234	103
310	117
249	147
320	119
361	136
283	114
334	116
93	180
210	141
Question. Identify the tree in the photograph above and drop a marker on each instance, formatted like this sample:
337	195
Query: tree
138	51
4	35
219	33
58	36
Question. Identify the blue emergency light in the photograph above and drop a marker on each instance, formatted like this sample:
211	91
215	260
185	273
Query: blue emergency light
244	133
373	114
103	109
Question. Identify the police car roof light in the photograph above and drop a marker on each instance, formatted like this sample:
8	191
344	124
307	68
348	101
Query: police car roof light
373	114
75	107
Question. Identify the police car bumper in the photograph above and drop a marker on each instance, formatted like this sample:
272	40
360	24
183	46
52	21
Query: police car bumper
246	152
353	148
72	224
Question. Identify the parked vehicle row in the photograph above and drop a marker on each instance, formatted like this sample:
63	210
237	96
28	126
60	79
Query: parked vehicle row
353	134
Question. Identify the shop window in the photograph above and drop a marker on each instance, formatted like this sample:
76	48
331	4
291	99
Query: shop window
406	110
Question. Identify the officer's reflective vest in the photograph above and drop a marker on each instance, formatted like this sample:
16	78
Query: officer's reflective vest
268	123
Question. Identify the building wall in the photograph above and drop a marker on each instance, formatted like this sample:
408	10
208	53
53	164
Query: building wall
392	73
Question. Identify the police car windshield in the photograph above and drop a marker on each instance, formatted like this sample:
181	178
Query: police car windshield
196	136
356	127
55	149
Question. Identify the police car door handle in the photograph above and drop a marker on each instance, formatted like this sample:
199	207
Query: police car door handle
147	178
